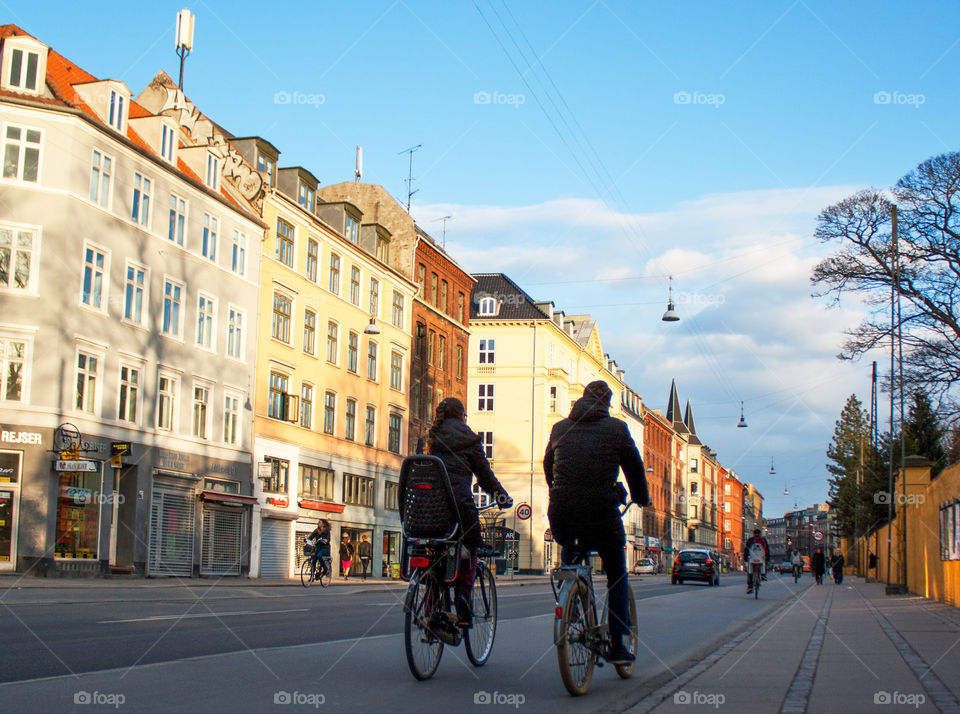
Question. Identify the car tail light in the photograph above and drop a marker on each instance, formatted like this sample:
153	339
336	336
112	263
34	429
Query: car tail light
676	563
424	487
709	562
419	561
558	611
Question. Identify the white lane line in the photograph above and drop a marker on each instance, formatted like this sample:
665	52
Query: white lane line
156	618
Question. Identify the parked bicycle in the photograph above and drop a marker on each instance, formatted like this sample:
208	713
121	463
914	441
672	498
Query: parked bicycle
582	642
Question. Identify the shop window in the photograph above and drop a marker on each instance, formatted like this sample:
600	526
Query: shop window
279	475
78	516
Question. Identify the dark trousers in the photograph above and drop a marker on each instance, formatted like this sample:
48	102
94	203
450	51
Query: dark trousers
615	566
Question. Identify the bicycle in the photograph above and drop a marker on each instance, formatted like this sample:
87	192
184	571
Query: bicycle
755	578
582	643
309	570
796	574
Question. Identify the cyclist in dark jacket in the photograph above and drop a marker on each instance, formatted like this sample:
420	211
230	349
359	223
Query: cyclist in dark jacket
582	463
460	449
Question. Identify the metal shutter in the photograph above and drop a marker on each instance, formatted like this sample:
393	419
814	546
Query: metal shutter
172	513
220	547
275	548
300	537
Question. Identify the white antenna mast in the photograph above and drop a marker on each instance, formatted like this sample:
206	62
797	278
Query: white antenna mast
358	172
410	192
443	231
184	38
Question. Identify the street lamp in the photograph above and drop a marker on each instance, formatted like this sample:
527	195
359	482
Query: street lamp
742	424
670	315
372	328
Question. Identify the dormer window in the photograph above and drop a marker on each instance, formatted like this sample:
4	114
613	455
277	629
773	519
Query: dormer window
305	197
352	230
116	116
488	306
383	250
167	143
24	65
267	166
213	172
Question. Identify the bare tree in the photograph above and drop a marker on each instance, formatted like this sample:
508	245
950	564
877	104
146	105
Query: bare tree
928	201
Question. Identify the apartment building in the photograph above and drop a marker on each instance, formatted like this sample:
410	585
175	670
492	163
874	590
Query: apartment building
129	252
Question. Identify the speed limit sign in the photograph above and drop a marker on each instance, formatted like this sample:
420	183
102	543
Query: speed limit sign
818	536
524	511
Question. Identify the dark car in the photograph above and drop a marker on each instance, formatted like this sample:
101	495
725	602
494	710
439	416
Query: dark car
694	564
785	567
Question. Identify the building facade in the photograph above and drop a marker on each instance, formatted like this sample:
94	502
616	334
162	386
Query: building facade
731	524
127	391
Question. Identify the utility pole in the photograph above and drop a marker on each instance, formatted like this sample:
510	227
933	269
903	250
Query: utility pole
893	325
410	190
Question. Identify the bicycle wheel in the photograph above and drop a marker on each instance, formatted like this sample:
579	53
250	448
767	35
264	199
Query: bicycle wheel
307	572
574	654
422	646
483	608
323	577
756	584
626	670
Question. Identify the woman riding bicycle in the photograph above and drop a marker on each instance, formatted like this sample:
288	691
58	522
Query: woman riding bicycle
320	539
461	451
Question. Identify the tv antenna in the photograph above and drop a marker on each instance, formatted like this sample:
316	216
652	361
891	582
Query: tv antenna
443	231
410	190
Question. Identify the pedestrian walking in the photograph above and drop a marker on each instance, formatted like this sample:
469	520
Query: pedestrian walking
818	564
836	564
346	556
364	552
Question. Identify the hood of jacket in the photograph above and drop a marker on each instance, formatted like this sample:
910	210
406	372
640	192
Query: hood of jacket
589	409
453	436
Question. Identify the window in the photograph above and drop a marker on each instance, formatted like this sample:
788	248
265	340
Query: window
397	309
428	402
313	253
133	293
726	489
178	219
372	361
210	228
485	403
420	345
396	370
277	396
422	280
282	308
553	400
167	143
201	400
24	74
374	307
305	197
316	482
206	314
172	296
443	295
167	387
383	249
231	419
415	405
17	248
460	302
393	433
329	412
309	332
213	172
370	427
284	244
13	355
694	465
141	200
487	351
94	271
441	352
128	403
21	153
238	257
279	475
352	229
333	334
306	405
116	113
353	344
694	488
355	285
488	306
350	420
334	273
100	174
391	496
433	289
486	442
459	361
431	346
267	166
358	490
236	324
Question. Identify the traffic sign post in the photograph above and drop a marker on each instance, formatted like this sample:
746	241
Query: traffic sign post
524	511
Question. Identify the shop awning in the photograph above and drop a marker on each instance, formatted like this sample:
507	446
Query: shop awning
312	505
227	498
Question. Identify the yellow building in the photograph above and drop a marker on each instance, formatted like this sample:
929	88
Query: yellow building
528	364
333	357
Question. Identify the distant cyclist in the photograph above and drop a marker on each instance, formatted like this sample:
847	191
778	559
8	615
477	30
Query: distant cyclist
796	563
582	463
319	538
756	550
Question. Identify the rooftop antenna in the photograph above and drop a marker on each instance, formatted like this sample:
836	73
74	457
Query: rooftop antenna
184	38
358	171
410	192
443	231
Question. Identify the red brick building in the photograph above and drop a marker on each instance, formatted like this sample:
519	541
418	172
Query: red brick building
731	518
659	461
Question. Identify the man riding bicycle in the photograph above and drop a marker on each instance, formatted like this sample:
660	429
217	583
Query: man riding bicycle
319	538
796	563
756	550
583	460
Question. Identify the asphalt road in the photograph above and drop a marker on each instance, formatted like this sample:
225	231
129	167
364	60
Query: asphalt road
230	648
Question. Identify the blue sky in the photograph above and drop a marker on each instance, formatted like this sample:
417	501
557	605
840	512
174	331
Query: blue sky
593	149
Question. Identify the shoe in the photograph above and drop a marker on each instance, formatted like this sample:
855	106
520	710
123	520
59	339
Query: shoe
749	590
620	655
463	610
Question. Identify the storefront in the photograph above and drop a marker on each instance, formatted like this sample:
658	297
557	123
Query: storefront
391	555
356	551
11	467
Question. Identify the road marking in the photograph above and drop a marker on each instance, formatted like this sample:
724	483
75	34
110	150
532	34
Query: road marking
157	618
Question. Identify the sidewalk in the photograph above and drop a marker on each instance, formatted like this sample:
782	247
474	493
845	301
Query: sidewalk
834	648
